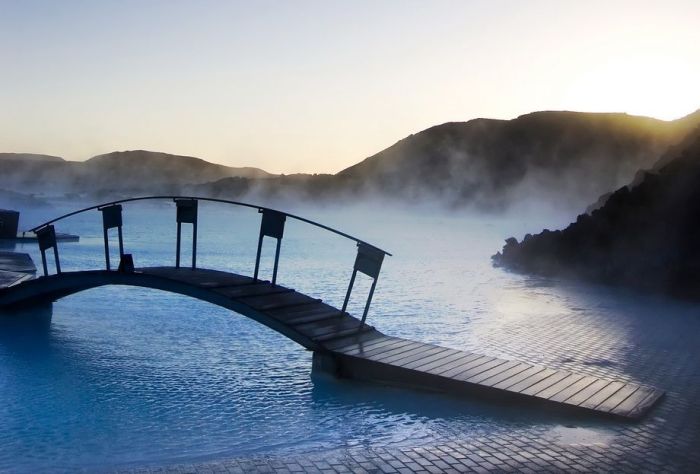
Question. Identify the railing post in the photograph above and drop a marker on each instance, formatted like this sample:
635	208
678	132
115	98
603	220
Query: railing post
46	237
194	243
257	256
368	261
187	214
121	242
111	218
177	246
277	261
271	225
347	294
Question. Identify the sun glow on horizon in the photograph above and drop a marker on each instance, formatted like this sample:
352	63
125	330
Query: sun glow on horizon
314	86
661	87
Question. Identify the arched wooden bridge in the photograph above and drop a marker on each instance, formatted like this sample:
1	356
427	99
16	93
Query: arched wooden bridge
342	344
303	319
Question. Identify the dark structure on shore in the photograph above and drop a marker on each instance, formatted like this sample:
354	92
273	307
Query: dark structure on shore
9	221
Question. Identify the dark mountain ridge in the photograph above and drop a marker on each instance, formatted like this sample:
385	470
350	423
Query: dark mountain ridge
567	158
645	235
559	155
30	157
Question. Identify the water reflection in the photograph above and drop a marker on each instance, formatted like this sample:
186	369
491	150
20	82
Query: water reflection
25	328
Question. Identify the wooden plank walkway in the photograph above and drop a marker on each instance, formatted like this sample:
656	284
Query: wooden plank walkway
25	237
16	262
15	268
393	359
444	369
347	348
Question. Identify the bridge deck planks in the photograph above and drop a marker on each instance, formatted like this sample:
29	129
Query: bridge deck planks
253	289
8	279
361	338
474	360
314	330
386	350
455	365
16	262
365	348
278	301
430	366
323	328
421	354
525	379
431	359
15	268
198	277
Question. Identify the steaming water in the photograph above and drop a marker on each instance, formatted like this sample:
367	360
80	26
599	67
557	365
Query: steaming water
124	376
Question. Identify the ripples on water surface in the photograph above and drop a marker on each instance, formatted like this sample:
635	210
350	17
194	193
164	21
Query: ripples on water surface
124	376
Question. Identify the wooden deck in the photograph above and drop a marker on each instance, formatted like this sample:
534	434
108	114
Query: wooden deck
439	368
347	348
25	237
15	268
403	361
17	262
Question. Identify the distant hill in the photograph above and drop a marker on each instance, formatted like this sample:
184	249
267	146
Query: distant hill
30	157
127	171
573	157
645	235
567	158
160	169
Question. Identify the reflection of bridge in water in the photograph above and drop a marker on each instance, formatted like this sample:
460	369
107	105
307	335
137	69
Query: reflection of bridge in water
342	344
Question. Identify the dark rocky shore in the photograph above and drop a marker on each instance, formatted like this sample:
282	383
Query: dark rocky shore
646	235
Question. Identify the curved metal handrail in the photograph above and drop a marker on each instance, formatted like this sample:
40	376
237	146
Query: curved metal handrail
224	201
368	260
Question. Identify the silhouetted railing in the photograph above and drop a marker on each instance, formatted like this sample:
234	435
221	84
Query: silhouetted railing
368	260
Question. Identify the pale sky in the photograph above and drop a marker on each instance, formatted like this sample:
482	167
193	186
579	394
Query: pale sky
316	86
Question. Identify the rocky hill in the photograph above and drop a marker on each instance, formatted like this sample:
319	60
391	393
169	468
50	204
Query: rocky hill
127	171
567	158
572	157
29	157
645	235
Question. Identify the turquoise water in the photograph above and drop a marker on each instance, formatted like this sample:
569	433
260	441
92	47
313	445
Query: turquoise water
118	377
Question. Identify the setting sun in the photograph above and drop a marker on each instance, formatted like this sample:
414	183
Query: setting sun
663	87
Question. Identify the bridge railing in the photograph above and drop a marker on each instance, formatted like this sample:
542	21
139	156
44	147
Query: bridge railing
368	260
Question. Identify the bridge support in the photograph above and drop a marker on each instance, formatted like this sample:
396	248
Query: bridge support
325	363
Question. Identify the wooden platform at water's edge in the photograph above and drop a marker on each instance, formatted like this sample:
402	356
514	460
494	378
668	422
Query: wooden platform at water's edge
345	347
369	354
15	268
438	368
27	237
